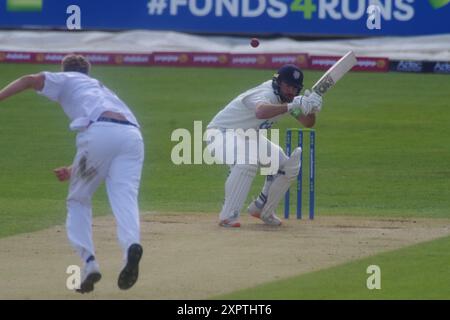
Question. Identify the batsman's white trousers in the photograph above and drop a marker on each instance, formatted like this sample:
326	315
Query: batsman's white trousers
113	153
231	144
232	147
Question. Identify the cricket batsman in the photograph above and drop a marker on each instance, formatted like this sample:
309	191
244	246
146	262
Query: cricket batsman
259	108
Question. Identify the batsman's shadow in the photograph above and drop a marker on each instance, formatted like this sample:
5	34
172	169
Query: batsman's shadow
264	227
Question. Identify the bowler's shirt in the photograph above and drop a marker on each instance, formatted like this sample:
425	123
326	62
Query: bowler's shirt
83	98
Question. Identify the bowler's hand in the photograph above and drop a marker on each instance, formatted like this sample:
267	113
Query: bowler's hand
63	173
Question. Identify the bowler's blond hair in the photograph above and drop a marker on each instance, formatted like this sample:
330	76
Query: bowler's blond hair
75	62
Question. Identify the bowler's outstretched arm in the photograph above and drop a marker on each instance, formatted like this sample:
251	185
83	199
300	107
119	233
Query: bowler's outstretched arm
31	81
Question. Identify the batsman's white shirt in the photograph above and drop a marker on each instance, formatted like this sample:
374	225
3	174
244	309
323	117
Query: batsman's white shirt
240	113
82	98
106	151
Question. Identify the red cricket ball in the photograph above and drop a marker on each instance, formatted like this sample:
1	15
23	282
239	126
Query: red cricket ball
254	43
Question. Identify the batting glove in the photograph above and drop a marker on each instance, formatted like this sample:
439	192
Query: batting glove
309	103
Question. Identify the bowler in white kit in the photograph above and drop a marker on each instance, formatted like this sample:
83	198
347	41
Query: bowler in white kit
259	108
109	148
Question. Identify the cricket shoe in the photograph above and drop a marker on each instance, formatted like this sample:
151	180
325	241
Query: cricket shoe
129	274
230	223
90	275
255	211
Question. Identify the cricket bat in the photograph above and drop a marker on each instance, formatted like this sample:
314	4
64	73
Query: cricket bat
336	72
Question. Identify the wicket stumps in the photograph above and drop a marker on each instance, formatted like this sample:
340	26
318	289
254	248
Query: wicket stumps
312	160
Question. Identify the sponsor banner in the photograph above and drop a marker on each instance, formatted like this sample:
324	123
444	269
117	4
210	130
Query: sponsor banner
17	57
249	61
49	57
440	67
132	59
179	59
205	59
210	59
408	66
275	61
285	17
268	61
187	59
93	57
364	63
99	58
191	59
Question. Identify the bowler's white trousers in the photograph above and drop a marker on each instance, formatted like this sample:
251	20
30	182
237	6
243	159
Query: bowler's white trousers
113	153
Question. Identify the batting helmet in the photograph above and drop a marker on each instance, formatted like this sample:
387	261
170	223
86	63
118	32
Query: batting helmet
289	74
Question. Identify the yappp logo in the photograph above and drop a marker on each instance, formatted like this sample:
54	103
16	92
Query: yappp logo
437	4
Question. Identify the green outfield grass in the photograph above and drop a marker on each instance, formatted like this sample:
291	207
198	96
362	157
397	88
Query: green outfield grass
417	272
382	143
